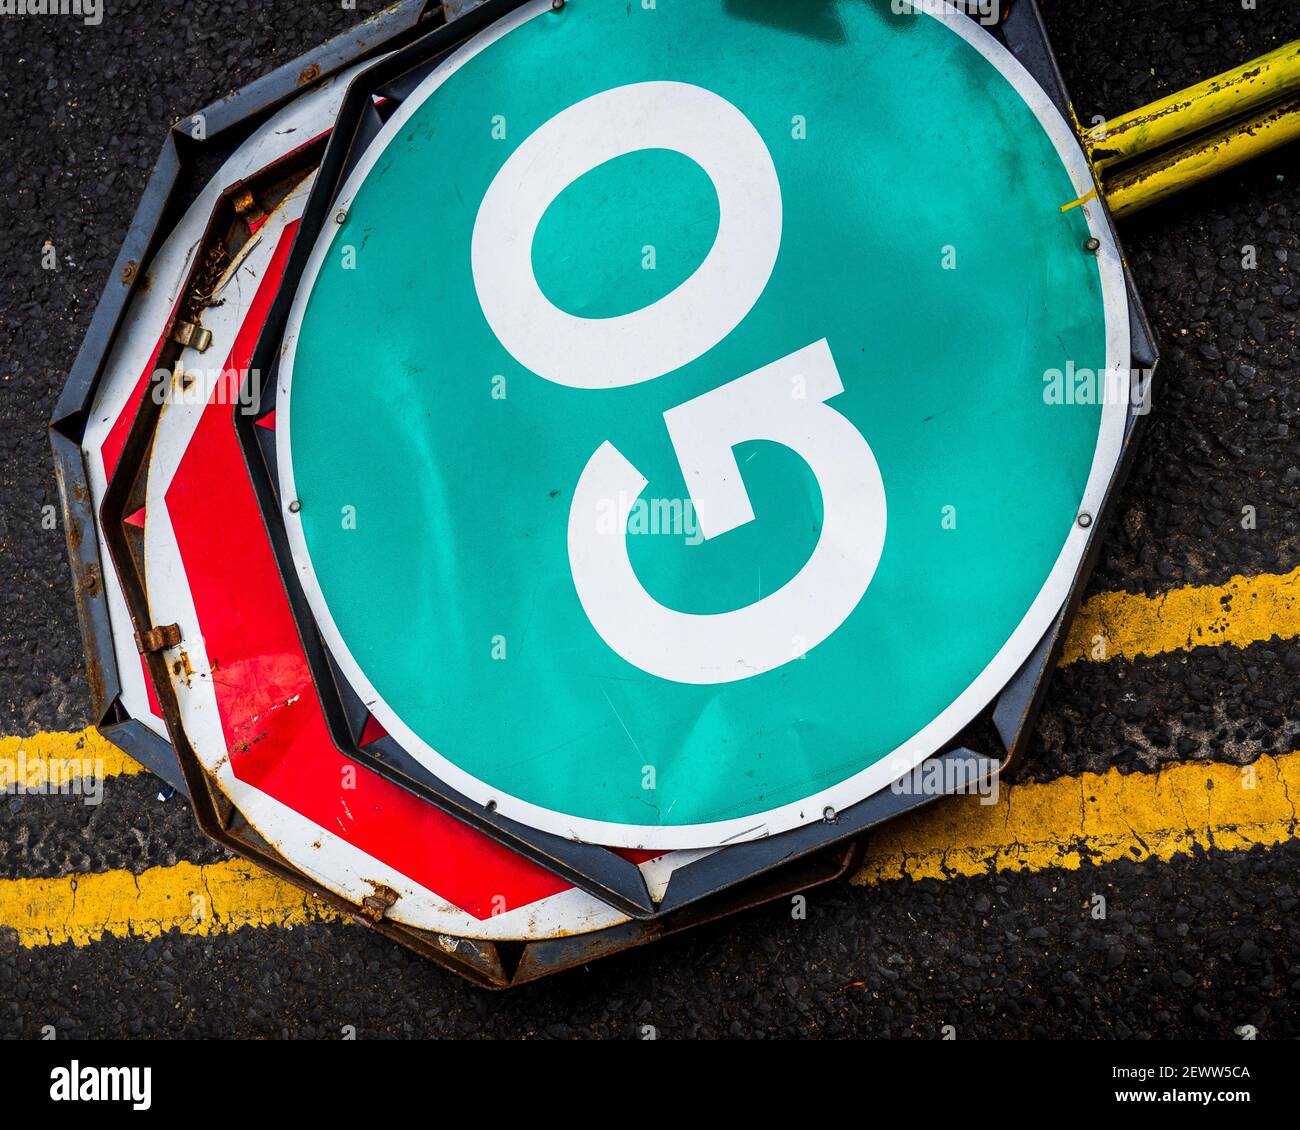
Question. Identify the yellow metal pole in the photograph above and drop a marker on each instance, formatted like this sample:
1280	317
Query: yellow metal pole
1151	181
1207	104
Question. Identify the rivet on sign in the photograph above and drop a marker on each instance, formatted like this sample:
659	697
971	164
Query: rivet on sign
340	215
1093	244
295	506
492	805
556	5
828	814
1085	519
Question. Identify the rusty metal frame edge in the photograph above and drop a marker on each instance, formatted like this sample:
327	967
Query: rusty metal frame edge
87	570
403	20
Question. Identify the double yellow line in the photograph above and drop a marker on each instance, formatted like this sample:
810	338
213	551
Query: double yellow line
1094	818
1071	822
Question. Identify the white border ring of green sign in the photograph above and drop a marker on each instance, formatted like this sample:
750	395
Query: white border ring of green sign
946	724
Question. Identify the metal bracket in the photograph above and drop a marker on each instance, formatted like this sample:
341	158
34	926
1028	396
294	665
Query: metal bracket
248	209
374	907
191	335
156	639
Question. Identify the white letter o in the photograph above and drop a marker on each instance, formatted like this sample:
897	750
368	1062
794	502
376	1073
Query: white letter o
597	353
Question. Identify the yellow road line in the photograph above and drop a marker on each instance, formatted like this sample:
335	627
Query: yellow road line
1094	818
196	899
1246	610
45	757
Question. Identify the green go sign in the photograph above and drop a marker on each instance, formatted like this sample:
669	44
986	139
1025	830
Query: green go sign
669	409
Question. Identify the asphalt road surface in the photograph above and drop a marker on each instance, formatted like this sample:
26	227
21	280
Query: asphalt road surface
1202	944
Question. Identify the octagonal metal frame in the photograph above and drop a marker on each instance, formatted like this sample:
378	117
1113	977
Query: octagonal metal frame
183	165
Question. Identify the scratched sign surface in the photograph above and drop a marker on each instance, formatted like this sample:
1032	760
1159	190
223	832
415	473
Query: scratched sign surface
694	415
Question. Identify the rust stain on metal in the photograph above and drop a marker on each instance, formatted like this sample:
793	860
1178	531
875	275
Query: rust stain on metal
309	73
1248	88
1217	85
129	272
95	677
375	906
1167	172
73	498
181	667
